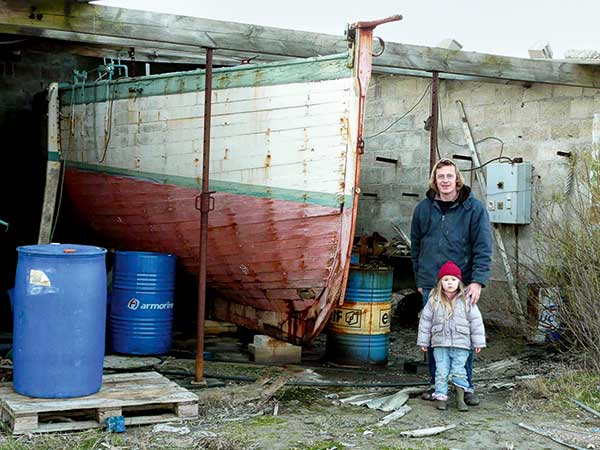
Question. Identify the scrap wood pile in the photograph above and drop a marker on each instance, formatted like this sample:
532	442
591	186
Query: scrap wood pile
240	402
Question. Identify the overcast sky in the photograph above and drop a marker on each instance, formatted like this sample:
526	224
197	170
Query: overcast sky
507	27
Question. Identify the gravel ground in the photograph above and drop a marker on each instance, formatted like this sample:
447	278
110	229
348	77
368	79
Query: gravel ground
312	417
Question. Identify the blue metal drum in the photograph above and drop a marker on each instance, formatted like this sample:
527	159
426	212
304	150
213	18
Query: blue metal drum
59	320
357	332
141	305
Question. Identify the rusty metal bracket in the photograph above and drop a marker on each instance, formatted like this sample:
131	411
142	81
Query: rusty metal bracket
360	145
373	23
205	202
350	34
381	44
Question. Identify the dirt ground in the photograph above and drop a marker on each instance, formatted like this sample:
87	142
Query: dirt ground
306	412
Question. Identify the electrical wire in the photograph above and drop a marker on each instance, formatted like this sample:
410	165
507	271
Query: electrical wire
498	158
494	138
403	115
487	138
444	129
108	121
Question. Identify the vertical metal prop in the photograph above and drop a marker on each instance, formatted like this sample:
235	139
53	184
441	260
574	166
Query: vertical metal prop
205	206
433	142
363	57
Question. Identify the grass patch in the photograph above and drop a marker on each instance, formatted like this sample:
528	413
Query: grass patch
87	440
247	370
557	393
386	447
264	421
222	443
323	445
305	395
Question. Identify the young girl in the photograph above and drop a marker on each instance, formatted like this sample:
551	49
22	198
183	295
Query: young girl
452	326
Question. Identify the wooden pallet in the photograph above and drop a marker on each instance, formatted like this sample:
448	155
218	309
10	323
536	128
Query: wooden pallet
142	398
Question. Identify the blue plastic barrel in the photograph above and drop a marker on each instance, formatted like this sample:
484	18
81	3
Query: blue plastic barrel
358	330
141	305
59	320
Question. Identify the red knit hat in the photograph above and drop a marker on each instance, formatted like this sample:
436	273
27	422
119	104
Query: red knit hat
449	268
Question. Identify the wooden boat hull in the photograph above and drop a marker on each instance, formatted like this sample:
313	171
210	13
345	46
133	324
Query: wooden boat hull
284	167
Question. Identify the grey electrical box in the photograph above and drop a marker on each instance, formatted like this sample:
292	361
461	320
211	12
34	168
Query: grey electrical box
509	192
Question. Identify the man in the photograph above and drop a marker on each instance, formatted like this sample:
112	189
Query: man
451	224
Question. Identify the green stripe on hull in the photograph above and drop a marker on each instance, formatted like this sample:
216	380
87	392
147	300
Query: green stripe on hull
286	72
317	198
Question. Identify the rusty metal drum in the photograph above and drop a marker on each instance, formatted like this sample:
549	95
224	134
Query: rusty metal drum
358	330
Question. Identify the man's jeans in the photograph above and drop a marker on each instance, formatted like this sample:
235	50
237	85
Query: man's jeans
450	361
431	358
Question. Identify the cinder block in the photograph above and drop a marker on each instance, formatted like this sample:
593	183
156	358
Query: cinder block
262	340
287	354
537	91
522	112
582	108
554	110
566	91
565	130
499	114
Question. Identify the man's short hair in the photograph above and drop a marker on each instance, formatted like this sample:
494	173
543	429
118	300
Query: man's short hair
460	181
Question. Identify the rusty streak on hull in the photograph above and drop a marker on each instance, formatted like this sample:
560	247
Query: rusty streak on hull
275	264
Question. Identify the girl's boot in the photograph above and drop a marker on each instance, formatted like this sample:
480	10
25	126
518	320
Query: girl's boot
460	399
441	405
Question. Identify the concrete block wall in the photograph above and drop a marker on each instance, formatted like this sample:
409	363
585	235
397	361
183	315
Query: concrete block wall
535	122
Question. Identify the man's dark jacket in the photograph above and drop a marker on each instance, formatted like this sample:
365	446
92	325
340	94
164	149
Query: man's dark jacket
462	235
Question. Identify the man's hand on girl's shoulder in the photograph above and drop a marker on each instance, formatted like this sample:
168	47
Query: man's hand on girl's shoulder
473	292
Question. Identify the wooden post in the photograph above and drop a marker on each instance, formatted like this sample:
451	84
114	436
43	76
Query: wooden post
52	167
498	237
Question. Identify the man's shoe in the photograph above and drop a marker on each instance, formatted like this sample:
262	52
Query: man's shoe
428	394
471	399
441	405
460	399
